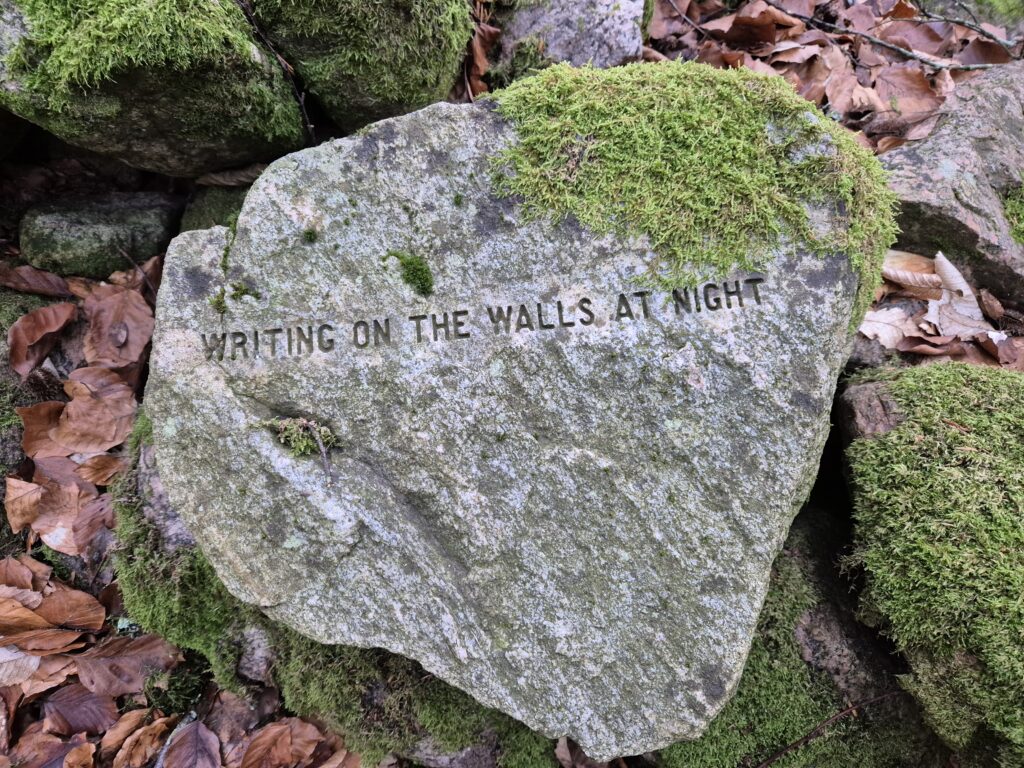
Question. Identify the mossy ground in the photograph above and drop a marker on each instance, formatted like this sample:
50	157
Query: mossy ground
1014	206
365	61
700	160
939	509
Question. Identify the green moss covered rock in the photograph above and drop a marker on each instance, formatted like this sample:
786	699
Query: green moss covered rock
939	502
179	87
367	61
212	206
95	237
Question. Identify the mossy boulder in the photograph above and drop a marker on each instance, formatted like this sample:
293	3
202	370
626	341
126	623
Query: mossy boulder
939	509
94	237
367	61
213	206
181	88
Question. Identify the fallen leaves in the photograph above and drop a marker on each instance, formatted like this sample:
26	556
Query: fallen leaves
32	336
883	67
927	308
194	746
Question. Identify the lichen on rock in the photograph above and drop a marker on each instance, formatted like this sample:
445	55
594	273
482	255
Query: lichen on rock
701	161
367	61
940	537
176	87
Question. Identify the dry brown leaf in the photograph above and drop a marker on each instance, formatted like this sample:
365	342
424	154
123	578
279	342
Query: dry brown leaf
342	759
15	574
95	516
46	642
22	503
145	278
957	313
287	743
101	469
81	756
39	749
232	717
16	666
27	597
52	671
888	326
143	745
74	709
33	335
128	724
16	618
41	572
120	665
72	609
39	420
194	746
485	37
10	698
905	88
26	279
65	498
100	414
120	326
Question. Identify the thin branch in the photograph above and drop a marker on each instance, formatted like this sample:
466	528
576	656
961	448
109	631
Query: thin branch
142	272
687	19
826	26
826	723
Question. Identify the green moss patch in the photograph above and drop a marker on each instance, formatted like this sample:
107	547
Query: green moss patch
365	61
704	162
1014	206
939	506
415	272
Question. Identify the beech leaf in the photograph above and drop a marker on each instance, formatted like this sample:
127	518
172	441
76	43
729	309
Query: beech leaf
33	335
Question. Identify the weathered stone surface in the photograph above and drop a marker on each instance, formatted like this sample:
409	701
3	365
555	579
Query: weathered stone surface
573	520
953	184
603	33
226	107
97	236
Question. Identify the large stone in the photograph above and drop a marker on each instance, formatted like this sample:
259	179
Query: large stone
602	33
570	513
182	91
94	237
953	185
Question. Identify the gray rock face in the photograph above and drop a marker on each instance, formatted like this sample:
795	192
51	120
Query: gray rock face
604	33
555	489
233	110
952	185
97	236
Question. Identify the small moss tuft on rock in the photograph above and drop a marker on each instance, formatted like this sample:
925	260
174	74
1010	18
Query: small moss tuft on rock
939	514
711	165
415	272
310	235
219	301
1014	206
303	437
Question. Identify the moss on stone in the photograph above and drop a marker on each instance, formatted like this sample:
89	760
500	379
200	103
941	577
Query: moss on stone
707	163
1014	206
188	69
781	698
302	437
213	206
415	272
939	510
527	58
378	701
366	61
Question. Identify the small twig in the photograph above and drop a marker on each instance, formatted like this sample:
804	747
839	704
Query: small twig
826	26
314	429
142	272
825	724
286	68
1008	45
687	19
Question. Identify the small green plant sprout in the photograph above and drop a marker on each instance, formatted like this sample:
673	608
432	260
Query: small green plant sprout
219	301
1014	206
305	437
415	272
459	199
310	235
238	290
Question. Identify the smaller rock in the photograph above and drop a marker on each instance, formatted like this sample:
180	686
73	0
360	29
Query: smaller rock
602	33
93	238
213	206
953	185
